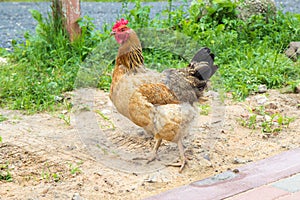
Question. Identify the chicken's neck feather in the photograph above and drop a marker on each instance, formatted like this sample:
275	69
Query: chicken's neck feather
130	53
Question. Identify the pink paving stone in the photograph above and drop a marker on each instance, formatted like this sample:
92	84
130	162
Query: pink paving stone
292	196
264	192
250	176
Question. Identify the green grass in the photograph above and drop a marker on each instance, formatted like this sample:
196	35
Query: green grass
249	53
3	118
5	174
45	66
75	168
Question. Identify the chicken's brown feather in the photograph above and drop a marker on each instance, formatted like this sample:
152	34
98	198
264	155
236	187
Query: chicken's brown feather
158	94
139	109
144	98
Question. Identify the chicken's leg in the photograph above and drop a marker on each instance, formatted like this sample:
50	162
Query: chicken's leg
182	162
154	153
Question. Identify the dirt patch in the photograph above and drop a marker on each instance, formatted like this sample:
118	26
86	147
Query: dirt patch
89	153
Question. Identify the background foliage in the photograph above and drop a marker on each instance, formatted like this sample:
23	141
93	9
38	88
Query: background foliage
249	53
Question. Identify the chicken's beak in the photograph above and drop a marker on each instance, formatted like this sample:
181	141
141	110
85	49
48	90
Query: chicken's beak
112	33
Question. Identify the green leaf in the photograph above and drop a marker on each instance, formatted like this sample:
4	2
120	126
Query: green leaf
36	15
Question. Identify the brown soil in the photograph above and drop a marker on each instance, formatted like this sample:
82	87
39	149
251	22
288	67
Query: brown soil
90	155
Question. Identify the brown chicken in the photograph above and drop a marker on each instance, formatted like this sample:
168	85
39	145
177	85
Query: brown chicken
161	103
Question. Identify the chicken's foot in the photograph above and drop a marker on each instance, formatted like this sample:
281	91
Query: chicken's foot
154	155
182	161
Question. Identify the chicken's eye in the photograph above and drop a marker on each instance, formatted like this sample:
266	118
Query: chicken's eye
122	29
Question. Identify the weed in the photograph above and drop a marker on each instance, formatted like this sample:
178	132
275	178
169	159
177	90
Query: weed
45	175
259	118
276	123
75	169
3	118
56	177
249	122
112	125
5	174
66	118
48	175
204	109
252	121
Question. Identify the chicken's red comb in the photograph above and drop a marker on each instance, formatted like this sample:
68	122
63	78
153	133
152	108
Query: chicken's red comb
120	23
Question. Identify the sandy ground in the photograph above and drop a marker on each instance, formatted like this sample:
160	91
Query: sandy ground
87	152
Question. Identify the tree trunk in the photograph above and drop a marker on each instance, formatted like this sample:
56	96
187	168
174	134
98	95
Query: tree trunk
68	11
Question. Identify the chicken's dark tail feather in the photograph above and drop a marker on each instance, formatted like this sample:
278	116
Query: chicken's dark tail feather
202	64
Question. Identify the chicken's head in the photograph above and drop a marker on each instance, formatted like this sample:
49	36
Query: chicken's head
121	31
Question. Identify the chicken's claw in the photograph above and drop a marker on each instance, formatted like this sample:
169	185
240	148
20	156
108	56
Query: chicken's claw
154	155
180	164
152	158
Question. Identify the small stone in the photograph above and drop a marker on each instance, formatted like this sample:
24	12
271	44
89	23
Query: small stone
205	163
45	191
141	132
108	182
240	161
206	157
98	173
267	118
266	136
101	102
133	188
76	196
105	112
244	115
135	174
262	89
261	99
58	98
259	118
64	112
293	51
151	179
96	188
271	105
109	191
